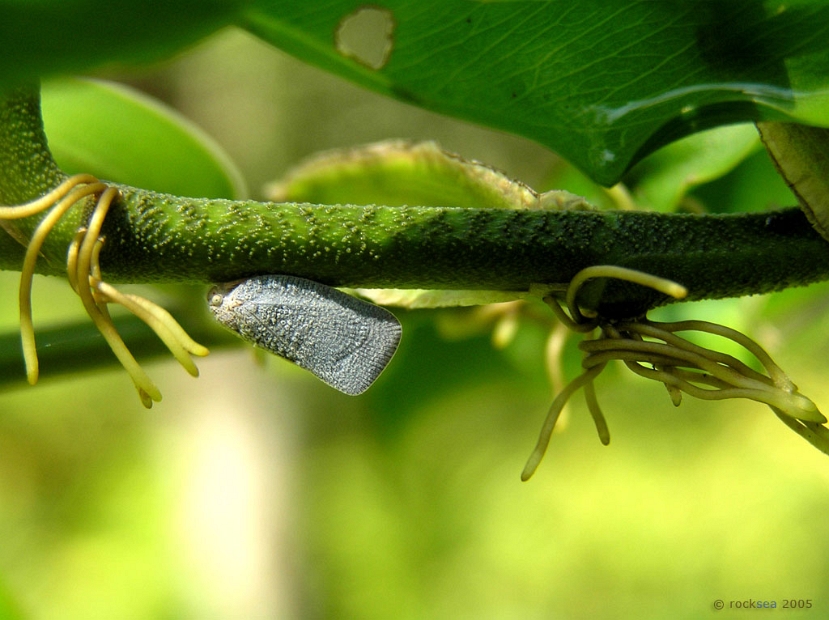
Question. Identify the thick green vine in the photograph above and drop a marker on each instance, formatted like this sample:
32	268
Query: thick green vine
161	238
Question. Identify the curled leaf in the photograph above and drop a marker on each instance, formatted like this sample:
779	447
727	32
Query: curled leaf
399	172
801	156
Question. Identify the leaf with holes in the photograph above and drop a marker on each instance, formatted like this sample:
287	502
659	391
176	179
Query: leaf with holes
602	82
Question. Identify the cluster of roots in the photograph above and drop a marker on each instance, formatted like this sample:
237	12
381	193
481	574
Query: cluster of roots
84	274
654	350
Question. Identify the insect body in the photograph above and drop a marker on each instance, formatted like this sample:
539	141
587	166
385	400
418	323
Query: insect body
345	341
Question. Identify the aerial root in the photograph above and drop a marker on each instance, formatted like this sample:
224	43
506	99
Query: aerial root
654	350
552	418
84	275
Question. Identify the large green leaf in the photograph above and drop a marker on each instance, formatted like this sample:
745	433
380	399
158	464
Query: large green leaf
603	82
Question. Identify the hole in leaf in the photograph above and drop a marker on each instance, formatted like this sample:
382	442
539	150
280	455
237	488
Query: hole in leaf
366	35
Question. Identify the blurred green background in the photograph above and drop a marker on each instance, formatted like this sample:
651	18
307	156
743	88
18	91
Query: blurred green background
258	492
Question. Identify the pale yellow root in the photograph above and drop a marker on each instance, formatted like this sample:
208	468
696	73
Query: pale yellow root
47	200
159	320
156	317
663	285
99	316
777	375
578	322
84	274
165	318
72	258
27	334
554	355
677	363
552	418
596	413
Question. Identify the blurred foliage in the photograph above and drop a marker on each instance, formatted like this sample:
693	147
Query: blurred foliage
258	492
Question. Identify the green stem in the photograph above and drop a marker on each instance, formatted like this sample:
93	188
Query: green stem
160	238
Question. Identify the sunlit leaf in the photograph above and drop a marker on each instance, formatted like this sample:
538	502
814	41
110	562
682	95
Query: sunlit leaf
121	135
398	173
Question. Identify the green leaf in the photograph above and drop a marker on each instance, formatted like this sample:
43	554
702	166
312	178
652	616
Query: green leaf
44	37
801	155
398	173
121	135
661	180
603	82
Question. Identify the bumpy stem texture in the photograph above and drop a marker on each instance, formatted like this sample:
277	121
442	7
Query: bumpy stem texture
161	238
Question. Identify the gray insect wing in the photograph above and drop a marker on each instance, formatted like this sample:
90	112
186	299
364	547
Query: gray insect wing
345	341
